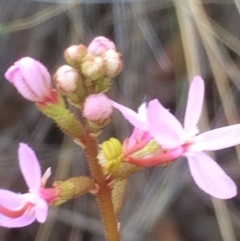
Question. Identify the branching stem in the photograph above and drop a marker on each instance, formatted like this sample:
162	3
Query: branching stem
104	196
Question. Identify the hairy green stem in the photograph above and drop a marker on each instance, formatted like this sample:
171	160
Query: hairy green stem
104	196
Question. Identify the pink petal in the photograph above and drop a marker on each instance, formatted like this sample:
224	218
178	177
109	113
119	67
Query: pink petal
210	177
22	221
31	79
142	112
36	75
13	201
30	167
14	76
217	139
131	116
163	126
41	210
194	103
10	199
100	45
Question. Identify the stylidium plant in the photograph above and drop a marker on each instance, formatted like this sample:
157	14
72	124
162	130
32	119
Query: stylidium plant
158	138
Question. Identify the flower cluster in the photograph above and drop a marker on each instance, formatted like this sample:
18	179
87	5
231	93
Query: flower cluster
158	138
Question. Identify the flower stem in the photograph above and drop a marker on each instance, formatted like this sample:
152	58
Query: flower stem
104	196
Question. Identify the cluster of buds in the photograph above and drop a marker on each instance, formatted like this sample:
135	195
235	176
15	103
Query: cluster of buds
90	69
83	81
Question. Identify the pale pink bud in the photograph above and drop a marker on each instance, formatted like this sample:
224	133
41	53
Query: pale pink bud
113	63
66	78
93	67
99	45
31	79
74	54
97	107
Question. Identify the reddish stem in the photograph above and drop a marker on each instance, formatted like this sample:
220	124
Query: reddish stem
104	195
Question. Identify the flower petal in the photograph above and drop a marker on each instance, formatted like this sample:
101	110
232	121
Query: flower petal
217	139
163	126
31	78
22	221
131	116
142	112
14	201
35	75
41	210
194	104
10	199
210	177
30	167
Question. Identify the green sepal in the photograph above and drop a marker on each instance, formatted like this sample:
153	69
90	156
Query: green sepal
72	188
102	85
77	98
95	127
150	148
125	170
118	194
64	118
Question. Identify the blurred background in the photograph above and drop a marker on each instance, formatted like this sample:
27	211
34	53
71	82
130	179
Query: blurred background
164	44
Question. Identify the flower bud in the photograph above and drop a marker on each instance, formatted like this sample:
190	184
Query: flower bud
113	63
97	107
74	54
66	79
99	45
32	80
93	67
72	188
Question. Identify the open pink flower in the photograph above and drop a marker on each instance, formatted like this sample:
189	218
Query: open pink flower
32	80
183	141
170	134
18	210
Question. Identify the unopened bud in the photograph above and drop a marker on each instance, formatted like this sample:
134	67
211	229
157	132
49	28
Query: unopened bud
72	188
66	79
32	80
74	54
97	110
113	63
99	45
93	67
97	107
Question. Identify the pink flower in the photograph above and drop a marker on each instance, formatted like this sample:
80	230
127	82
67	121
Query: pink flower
184	141
18	210
32	80
99	45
